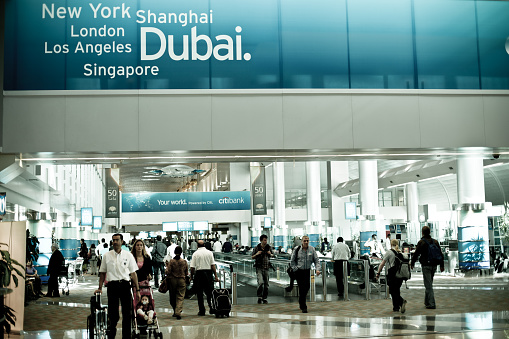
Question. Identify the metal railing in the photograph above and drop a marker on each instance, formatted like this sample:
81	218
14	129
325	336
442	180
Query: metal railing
355	273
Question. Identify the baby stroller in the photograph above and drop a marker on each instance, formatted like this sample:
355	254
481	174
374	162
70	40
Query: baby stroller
139	325
63	279
97	321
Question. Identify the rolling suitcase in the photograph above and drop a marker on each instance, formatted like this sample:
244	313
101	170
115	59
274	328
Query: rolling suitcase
221	302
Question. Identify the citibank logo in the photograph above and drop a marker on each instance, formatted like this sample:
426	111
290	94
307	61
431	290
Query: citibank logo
227	200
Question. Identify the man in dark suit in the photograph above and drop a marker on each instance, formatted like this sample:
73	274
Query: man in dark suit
56	263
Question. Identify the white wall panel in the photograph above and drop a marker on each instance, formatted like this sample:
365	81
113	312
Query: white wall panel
175	123
101	123
385	121
317	121
34	123
452	121
253	120
496	117
247	122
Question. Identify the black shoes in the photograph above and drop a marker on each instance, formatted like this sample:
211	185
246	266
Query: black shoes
265	301
431	307
201	314
305	310
260	300
178	317
289	288
403	307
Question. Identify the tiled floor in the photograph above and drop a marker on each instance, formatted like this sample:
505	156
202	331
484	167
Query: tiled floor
466	308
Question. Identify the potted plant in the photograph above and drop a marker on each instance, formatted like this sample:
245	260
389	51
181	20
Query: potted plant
7	270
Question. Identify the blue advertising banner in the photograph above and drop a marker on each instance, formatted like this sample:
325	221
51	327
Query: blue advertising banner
186	201
3	204
248	44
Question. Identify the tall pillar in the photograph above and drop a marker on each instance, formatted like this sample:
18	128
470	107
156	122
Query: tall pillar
337	172
368	198
256	230
412	211
472	217
280	231
314	202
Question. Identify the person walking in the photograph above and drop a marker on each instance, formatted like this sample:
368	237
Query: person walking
158	254
340	254
429	254
389	259
177	271
92	258
143	261
217	246
302	258
227	246
262	253
170	251
121	268
56	263
202	269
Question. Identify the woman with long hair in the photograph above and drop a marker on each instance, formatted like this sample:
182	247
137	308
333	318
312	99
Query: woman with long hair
143	261
398	303
176	271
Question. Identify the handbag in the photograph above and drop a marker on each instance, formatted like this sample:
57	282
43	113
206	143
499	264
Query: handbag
163	288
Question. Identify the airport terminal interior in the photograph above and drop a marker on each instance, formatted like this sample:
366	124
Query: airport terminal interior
329	123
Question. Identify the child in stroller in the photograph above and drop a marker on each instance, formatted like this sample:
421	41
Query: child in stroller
144	318
145	310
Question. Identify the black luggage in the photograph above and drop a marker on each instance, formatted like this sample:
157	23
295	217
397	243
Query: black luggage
221	303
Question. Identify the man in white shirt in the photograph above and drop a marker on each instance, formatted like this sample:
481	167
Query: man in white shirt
202	268
217	246
170	252
121	268
340	254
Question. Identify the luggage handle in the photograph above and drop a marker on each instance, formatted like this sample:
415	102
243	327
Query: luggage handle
219	282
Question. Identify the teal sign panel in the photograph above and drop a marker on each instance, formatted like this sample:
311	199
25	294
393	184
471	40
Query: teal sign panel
186	201
252	44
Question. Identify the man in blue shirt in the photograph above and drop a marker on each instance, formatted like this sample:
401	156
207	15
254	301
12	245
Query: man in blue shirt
302	258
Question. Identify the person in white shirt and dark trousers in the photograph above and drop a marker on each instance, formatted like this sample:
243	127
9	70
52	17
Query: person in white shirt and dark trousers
202	268
121	268
340	254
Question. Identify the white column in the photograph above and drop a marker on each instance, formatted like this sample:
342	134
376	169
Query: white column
368	198
279	202
256	228
314	203
412	210
472	220
341	226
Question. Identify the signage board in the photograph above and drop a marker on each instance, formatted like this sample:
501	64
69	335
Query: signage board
97	222
3	203
350	210
184	226
267	222
253	44
186	201
87	216
112	197
200	226
170	227
259	190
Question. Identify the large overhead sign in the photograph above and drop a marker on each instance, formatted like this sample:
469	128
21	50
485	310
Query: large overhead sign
229	44
186	201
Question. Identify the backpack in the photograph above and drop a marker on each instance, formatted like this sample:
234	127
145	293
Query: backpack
401	266
156	254
435	256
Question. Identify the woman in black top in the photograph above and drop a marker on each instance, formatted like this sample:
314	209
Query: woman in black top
143	261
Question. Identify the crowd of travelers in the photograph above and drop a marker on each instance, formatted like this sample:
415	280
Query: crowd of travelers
127	267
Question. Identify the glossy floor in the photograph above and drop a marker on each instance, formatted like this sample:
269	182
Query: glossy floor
466	308
483	325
